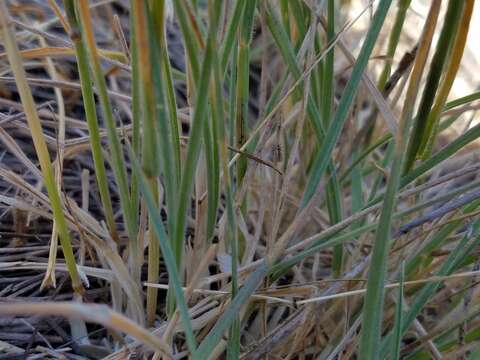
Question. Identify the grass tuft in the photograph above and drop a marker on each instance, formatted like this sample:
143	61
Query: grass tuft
239	179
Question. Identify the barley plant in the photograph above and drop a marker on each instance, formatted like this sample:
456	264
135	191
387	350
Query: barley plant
249	179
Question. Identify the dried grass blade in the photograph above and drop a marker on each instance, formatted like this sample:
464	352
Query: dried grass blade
100	314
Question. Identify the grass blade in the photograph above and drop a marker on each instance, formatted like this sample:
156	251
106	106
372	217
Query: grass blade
323	156
193	150
91	116
40	146
458	47
397	334
100	314
334	201
452	18
168	254
463	249
231	312
373	305
118	161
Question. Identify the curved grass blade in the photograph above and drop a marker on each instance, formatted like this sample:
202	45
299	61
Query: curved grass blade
99	314
40	146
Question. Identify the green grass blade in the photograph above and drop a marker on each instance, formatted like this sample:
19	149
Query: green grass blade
298	12
149	144
445	153
136	113
462	250
242	93
333	194
456	53
118	161
437	240
233	345
213	173
393	40
431	163
231	312
374	298
243	80
452	18
397	334
91	116
232	28
198	119
323	156
189	36
167	252
158	12
462	101
328	80
333	189
330	238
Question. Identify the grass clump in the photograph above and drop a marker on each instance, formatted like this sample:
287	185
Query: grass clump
269	179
